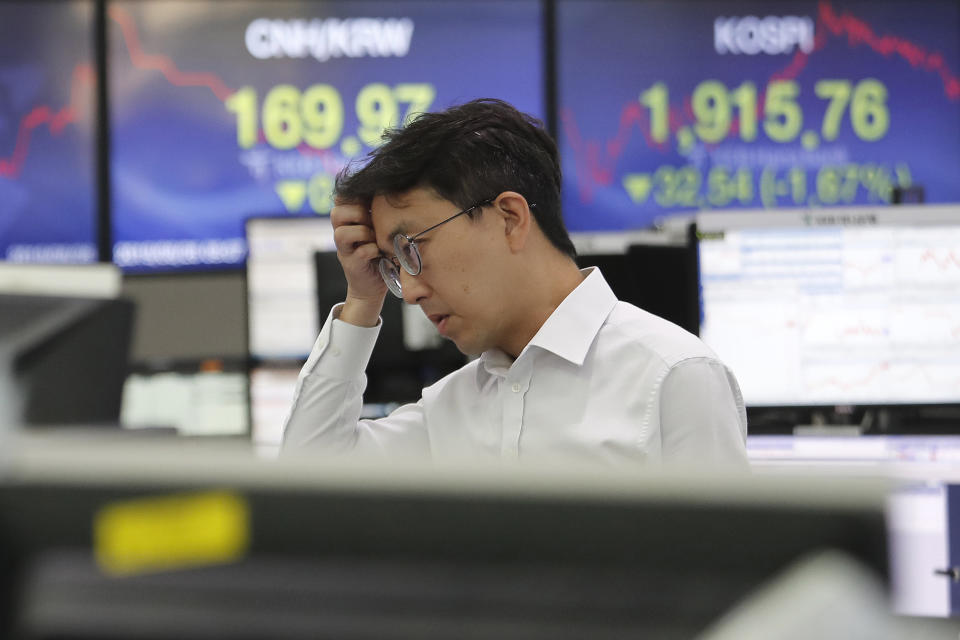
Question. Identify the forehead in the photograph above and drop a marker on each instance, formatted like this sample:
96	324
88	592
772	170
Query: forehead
406	213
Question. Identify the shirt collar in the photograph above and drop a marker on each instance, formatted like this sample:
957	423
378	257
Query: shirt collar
570	329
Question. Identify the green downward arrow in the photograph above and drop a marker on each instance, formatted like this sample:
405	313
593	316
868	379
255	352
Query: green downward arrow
637	186
292	193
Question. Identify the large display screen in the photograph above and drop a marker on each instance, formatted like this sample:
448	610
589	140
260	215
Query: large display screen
855	306
669	106
223	110
48	206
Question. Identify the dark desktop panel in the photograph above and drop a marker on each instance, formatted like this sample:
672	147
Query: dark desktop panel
67	357
225	110
658	279
422	556
667	107
47	172
186	319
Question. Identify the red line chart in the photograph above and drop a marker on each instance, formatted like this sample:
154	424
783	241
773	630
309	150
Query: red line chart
864	329
885	369
176	76
859	32
597	169
847	385
82	79
950	259
163	64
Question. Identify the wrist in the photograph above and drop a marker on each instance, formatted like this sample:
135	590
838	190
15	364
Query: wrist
362	312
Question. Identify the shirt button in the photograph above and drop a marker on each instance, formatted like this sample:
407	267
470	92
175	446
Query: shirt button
516	387
335	351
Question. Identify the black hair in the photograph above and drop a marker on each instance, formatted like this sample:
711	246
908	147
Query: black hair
467	154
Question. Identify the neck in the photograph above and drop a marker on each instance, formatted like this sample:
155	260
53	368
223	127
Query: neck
547	283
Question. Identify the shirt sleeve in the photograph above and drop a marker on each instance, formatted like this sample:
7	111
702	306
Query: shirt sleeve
703	420
328	399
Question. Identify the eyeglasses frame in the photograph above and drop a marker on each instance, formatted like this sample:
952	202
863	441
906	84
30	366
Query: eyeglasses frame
411	241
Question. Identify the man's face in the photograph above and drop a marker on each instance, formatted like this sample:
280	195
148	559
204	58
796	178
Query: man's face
464	281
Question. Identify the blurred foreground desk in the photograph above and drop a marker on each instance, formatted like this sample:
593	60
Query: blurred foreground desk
106	539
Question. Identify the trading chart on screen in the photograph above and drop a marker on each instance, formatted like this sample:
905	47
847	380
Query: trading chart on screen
48	203
835	306
668	107
223	110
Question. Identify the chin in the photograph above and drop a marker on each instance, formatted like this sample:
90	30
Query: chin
470	352
468	349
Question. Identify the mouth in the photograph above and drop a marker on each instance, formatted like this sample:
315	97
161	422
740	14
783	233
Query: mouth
439	320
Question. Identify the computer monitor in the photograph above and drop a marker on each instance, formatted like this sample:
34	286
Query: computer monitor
282	317
64	360
853	306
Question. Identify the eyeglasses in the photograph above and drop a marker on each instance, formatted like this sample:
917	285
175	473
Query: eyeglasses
408	256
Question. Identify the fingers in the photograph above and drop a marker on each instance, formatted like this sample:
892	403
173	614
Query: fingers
347	214
368	252
349	238
353	232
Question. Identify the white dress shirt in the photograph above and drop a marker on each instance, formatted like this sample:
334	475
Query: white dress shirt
601	381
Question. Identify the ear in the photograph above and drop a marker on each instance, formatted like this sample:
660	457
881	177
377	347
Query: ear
517	218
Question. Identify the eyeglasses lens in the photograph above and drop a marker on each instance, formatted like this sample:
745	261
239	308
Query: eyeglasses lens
407	254
390	275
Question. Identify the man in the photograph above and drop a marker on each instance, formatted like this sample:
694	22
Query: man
459	213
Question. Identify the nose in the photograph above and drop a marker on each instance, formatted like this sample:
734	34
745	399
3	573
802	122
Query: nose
414	288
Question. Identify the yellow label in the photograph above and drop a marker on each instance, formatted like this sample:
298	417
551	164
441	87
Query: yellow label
171	532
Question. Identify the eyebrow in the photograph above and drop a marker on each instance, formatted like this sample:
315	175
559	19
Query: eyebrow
402	228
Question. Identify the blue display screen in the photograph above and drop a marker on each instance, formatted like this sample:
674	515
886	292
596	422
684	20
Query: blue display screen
225	110
47	170
667	107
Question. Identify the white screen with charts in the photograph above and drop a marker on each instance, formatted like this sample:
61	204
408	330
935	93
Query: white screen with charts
281	284
838	306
